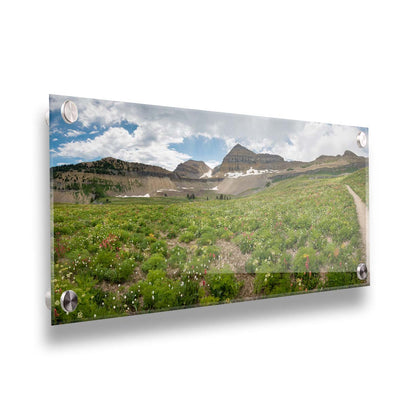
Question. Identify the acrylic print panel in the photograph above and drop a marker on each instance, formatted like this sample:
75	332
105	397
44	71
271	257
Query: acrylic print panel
157	208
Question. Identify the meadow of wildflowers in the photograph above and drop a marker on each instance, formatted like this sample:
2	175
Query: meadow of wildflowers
152	254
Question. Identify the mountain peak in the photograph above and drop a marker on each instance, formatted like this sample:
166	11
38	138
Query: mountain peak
192	169
239	148
240	159
110	159
348	153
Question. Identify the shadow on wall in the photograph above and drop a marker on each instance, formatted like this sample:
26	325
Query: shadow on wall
218	316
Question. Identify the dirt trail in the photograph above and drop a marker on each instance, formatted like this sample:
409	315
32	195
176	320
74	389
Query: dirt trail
362	215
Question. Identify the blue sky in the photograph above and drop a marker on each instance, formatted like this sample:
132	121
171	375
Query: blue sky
210	150
165	136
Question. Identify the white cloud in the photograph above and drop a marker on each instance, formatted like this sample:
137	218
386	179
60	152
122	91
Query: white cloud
93	113
73	133
119	143
160	126
316	139
212	163
305	141
66	133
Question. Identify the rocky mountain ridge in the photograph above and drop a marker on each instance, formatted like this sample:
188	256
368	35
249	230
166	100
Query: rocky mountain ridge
240	159
112	166
241	171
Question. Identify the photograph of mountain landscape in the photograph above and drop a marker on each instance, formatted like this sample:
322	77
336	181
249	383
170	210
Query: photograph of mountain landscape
157	208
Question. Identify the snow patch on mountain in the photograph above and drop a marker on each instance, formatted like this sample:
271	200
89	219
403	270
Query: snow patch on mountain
133	196
249	172
167	190
207	174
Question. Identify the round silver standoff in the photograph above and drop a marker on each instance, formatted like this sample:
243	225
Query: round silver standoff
69	112
47	117
48	299
362	271
69	301
362	139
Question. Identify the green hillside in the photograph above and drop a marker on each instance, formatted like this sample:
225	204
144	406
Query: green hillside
144	255
358	181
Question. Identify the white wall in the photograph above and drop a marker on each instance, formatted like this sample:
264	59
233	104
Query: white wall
347	352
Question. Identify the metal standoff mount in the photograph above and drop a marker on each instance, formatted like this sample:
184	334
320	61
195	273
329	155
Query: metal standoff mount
362	139
48	299
362	271
69	112
69	301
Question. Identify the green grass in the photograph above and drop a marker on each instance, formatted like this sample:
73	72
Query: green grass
358	181
145	254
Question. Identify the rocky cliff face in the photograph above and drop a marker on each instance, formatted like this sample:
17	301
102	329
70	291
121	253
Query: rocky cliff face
85	182
240	171
192	169
240	159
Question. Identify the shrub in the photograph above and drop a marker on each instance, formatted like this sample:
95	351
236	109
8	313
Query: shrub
306	260
124	236
159	247
119	272
226	235
154	262
105	258
150	239
208	251
109	275
177	257
223	284
291	239
154	275
309	280
188	290
139	241
195	230
158	291
272	283
197	266
245	242
334	279
125	270
187	237
132	297
207	238
172	234
263	253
